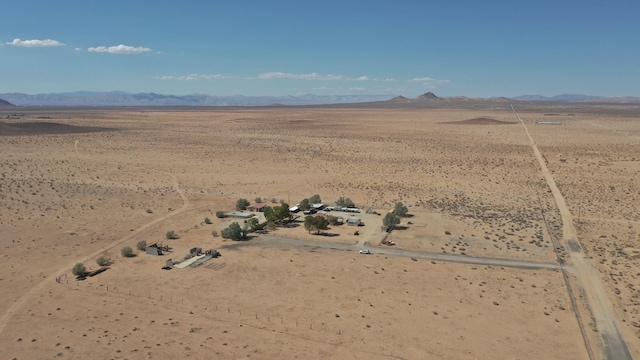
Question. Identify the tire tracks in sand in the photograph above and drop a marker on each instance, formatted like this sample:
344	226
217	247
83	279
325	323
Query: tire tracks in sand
38	287
595	293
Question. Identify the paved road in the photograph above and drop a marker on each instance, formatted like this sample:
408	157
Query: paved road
601	309
521	264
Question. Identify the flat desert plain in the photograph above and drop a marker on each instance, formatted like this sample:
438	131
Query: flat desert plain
521	241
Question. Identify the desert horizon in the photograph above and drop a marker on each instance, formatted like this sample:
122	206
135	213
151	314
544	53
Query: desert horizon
520	239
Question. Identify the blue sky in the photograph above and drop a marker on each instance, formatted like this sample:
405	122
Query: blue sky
471	48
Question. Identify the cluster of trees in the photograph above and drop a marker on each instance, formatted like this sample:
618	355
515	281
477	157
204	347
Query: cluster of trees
316	223
345	202
393	218
305	204
235	232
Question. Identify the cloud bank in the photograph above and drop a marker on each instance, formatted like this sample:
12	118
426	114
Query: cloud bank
119	49
35	43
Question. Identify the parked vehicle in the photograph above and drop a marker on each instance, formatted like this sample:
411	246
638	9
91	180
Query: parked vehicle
365	252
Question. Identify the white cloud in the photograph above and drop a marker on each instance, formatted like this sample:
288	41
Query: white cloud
120	49
192	77
311	76
427	81
35	43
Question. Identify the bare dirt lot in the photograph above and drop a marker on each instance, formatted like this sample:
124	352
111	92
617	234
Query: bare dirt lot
474	191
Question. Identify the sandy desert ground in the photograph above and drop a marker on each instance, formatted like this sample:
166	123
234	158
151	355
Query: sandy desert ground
468	174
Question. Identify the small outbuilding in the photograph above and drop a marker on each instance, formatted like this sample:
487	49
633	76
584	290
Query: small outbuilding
153	249
259	207
354	221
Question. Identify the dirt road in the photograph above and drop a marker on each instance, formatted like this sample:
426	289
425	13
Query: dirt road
596	295
22	300
280	241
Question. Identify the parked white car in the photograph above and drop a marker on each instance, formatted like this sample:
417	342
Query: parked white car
365	251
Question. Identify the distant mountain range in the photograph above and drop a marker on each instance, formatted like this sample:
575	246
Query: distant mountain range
118	98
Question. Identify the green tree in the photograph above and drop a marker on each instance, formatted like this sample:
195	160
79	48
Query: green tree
233	232
141	245
315	223
127	251
400	210
254	225
390	220
242	204
344	202
315	199
258	200
304	204
332	220
79	270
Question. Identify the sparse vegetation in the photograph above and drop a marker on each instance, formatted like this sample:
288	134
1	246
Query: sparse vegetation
221	214
141	245
170	235
242	204
214	233
258	200
79	270
207	221
127	252
149	211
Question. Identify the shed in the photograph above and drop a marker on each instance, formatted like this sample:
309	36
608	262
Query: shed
354	221
153	249
240	214
257	207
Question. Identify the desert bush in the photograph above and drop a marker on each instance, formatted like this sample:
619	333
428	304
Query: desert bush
141	245
242	204
214	233
170	235
274	201
149	211
207	221
258	200
127	251
104	261
221	214
79	270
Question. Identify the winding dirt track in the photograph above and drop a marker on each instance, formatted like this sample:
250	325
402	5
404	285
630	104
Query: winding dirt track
596	295
24	298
